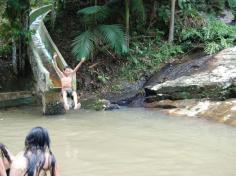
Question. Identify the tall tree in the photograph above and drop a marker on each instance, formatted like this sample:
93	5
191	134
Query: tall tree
17	12
172	22
127	21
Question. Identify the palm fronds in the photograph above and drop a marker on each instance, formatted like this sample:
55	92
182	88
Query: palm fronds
94	14
84	44
97	34
232	3
113	35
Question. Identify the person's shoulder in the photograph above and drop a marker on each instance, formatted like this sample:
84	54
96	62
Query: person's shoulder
19	161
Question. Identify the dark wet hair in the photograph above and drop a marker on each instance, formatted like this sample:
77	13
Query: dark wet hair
4	152
37	142
66	67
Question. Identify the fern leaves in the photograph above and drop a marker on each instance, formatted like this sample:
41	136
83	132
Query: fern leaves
97	34
83	45
114	36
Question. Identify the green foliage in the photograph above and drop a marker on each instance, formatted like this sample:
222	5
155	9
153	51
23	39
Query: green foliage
11	31
145	57
97	36
185	4
194	30
94	14
232	3
218	36
213	37
103	78
212	47
166	51
138	8
38	3
4	49
216	29
12	26
164	13
116	88
192	34
218	4
84	44
114	36
2	7
190	17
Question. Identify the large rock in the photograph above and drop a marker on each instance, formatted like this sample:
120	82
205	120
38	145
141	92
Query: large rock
220	111
130	94
209	77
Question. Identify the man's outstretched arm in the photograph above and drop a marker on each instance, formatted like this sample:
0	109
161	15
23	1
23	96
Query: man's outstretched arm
79	65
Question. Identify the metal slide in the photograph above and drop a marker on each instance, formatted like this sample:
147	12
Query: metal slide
41	49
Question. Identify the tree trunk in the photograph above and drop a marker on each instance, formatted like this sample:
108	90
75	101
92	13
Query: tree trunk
14	58
127	21
23	44
19	43
172	22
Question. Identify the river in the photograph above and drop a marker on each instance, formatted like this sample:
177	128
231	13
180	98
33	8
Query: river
128	142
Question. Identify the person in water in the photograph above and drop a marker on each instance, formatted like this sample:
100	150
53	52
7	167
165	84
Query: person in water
66	82
6	159
37	158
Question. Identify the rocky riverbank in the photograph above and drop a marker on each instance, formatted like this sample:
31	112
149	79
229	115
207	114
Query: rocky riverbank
220	111
204	88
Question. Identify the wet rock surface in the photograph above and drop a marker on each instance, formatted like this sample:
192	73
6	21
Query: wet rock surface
130	94
54	108
220	111
98	104
197	88
213	78
173	71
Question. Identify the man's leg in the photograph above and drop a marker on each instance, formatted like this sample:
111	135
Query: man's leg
75	98
66	106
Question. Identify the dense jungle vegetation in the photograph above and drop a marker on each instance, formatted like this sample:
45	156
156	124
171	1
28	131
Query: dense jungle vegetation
121	39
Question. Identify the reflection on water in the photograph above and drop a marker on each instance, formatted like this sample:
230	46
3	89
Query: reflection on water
128	142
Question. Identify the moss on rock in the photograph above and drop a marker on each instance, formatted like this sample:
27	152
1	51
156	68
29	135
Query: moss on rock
92	103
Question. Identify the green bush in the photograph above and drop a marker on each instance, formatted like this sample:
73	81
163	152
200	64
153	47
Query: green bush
213	37
146	56
4	49
166	51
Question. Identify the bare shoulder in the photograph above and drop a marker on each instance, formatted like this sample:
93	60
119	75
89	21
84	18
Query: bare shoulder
19	161
19	165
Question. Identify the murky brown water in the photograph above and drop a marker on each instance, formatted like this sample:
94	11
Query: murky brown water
129	142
